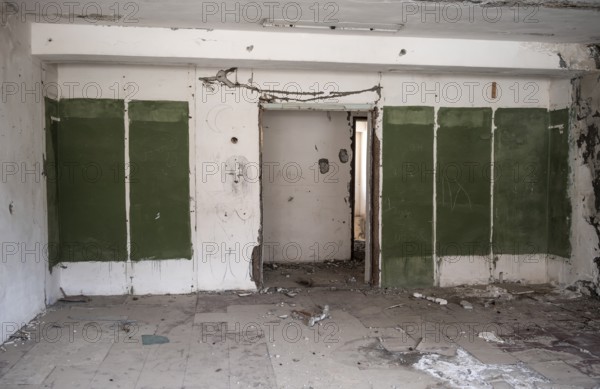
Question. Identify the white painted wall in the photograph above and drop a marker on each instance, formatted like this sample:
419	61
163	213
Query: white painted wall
473	91
132	83
223	244
461	72
307	214
23	266
322	51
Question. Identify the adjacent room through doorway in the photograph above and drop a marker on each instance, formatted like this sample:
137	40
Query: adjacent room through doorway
314	185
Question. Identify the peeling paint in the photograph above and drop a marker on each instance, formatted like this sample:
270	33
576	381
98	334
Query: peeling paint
595	53
587	124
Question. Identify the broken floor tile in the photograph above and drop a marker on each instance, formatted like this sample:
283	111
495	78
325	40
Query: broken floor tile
561	373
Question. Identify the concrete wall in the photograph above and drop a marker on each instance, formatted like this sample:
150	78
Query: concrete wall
357	72
223	244
584	264
133	83
462	72
23	264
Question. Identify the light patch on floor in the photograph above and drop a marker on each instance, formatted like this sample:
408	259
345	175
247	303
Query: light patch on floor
464	371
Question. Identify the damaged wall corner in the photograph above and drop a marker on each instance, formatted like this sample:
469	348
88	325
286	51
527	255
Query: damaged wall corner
586	183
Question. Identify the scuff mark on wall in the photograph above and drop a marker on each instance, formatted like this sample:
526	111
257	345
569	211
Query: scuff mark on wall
97	17
272	95
234	169
561	61
595	53
256	264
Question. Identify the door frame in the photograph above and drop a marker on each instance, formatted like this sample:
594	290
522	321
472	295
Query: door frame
368	111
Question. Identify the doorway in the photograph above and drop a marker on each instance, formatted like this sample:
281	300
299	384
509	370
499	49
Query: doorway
314	196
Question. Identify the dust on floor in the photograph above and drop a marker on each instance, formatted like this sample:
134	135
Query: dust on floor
507	336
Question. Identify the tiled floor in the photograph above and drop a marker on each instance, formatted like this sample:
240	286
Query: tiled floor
372	339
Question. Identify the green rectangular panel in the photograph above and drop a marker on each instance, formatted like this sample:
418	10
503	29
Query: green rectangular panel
159	180
559	205
51	174
463	184
520	181
407	199
91	184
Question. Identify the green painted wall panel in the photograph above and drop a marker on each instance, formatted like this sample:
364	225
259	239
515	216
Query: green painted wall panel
520	181
91	184
51	174
159	182
559	205
407	199
464	146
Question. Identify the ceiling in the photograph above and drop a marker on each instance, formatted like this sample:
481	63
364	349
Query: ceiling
567	21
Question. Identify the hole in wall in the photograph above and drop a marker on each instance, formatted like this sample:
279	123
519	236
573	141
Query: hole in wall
323	165
343	155
402	52
234	140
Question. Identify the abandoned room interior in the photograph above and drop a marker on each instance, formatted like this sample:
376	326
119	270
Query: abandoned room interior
300	194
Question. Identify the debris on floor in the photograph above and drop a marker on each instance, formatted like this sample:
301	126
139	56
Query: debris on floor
437	300
301	315
464	371
490	337
536	340
148	340
331	273
20	335
395	306
490	291
305	282
73	299
466	305
317	318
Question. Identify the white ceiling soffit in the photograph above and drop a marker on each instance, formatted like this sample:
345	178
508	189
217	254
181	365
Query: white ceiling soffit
566	21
